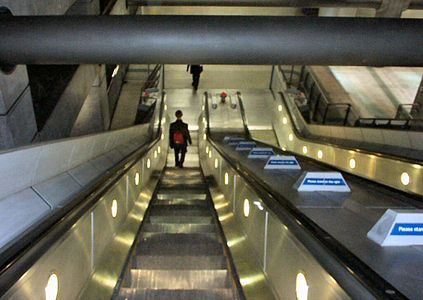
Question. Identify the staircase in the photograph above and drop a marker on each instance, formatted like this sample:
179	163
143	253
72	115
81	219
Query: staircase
180	253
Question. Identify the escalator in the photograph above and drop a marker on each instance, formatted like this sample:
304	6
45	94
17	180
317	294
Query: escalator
180	253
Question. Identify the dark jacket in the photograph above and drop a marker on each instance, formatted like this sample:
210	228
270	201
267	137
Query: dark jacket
182	127
195	69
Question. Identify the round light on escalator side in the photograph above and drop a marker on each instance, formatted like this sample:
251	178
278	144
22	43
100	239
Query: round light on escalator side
226	178
114	208
290	137
210	154
204	136
246	208
320	154
301	287
52	287
352	163
216	163
162	137
148	163
159	149
279	107
405	178
284	120
137	179
207	149
155	154
305	149
165	107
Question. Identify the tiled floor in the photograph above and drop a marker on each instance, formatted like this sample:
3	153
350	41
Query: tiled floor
377	92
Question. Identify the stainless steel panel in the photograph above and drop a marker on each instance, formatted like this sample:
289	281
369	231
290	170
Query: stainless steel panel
69	258
287	257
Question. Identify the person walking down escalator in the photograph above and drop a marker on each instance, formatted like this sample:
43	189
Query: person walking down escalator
179	138
195	70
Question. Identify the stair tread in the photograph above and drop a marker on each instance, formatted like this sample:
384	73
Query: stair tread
180	228
169	294
180	262
197	249
179	279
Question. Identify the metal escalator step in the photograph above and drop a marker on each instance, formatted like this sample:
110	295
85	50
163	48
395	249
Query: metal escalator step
162	248
187	186
181	194
185	202
181	262
180	228
180	279
180	207
185	172
195	181
168	294
181	219
188	211
171	238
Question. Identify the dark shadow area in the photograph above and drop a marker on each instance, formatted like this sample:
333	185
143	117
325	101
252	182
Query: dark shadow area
48	83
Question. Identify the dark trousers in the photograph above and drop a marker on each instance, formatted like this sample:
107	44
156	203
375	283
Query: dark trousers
195	80
179	149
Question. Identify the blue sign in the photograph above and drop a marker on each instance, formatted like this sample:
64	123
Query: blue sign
282	162
267	153
324	181
407	229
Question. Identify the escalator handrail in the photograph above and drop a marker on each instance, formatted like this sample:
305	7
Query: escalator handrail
329	144
324	247
24	253
318	241
243	115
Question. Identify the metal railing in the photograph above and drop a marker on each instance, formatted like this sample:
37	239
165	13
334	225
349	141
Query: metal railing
322	111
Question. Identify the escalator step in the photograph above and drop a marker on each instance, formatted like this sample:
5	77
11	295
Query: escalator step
185	202
181	219
163	294
180	237
181	194
180	262
181	228
180	279
176	249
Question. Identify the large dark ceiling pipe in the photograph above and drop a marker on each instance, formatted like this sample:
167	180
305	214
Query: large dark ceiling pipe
211	40
414	4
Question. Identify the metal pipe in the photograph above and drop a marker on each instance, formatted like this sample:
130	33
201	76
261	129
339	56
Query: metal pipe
211	40
415	4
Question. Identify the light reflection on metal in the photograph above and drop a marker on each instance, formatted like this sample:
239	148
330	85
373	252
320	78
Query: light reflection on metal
226	216
114	208
221	205
105	280
259	205
252	279
235	241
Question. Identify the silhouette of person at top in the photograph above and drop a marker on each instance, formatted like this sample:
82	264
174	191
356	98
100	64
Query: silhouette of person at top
195	70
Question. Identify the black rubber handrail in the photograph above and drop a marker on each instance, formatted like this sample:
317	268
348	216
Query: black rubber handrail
243	115
23	254
333	256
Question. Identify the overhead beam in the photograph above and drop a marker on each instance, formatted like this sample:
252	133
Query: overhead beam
211	40
414	4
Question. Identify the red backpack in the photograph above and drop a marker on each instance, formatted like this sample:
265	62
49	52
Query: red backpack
178	138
